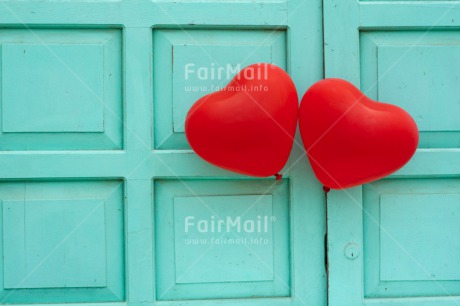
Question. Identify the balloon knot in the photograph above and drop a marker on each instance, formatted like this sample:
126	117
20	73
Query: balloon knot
278	176
326	189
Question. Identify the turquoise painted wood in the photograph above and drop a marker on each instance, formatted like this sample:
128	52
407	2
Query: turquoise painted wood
103	202
395	241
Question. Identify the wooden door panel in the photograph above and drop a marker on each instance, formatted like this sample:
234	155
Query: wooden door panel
61	89
93	96
192	63
62	241
402	230
417	70
413	249
245	254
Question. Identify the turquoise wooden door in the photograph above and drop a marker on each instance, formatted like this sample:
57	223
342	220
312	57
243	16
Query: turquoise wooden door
396	241
102	200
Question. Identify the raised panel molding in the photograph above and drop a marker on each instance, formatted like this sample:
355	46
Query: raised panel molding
240	231
63	241
417	237
424	80
61	89
54	244
189	64
195	76
201	259
419	71
411	238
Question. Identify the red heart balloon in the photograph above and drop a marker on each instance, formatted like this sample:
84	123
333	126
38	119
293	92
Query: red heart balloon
351	139
249	126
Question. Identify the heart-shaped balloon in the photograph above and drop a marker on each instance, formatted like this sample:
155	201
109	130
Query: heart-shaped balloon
249	126
351	139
